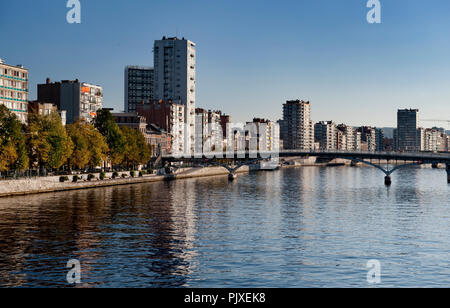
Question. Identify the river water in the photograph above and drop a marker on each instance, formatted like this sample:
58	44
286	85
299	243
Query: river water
307	227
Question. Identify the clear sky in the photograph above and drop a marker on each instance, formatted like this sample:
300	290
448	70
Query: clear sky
252	54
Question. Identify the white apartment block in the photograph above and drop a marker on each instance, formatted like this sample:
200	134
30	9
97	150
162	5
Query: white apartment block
266	135
433	140
348	141
174	79
14	89
326	134
177	128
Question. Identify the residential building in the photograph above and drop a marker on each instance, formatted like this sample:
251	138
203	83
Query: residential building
296	128
131	119
325	133
225	121
41	108
139	84
14	89
379	140
348	141
215	130
368	138
341	140
174	79
159	140
434	140
80	100
267	134
46	109
169	116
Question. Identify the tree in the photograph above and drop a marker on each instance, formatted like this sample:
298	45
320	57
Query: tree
13	152
90	147
48	142
80	155
105	124
136	149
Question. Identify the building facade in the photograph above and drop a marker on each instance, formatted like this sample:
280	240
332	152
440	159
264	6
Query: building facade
80	100
325	133
368	138
267	135
349	140
169	116
132	120
296	128
407	135
174	79
139	86
14	89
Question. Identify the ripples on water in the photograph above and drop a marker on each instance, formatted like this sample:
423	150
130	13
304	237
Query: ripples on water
309	227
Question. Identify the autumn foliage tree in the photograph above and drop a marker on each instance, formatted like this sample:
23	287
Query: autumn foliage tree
49	145
13	152
90	147
136	149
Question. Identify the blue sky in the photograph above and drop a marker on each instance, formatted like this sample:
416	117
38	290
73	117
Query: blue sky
252	54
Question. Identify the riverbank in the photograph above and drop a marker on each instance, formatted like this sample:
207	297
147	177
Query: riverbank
38	185
50	184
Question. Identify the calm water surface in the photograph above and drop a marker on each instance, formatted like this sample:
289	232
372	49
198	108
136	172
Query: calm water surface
310	227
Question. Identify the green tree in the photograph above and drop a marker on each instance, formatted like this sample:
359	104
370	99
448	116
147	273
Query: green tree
48	142
136	149
105	124
13	152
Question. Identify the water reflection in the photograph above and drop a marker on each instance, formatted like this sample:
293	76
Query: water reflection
288	228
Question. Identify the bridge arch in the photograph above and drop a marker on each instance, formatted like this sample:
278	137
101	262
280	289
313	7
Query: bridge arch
387	172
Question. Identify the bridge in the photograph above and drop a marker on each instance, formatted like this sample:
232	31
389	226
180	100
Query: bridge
232	161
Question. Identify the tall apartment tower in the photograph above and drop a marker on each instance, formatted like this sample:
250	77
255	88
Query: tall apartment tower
407	130
138	86
297	129
174	79
14	89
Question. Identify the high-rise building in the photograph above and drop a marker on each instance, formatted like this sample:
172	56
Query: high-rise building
296	128
14	89
138	86
406	137
80	100
434	140
267	134
379	139
174	79
348	140
326	133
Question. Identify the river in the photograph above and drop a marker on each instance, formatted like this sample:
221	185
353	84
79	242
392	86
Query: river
300	227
